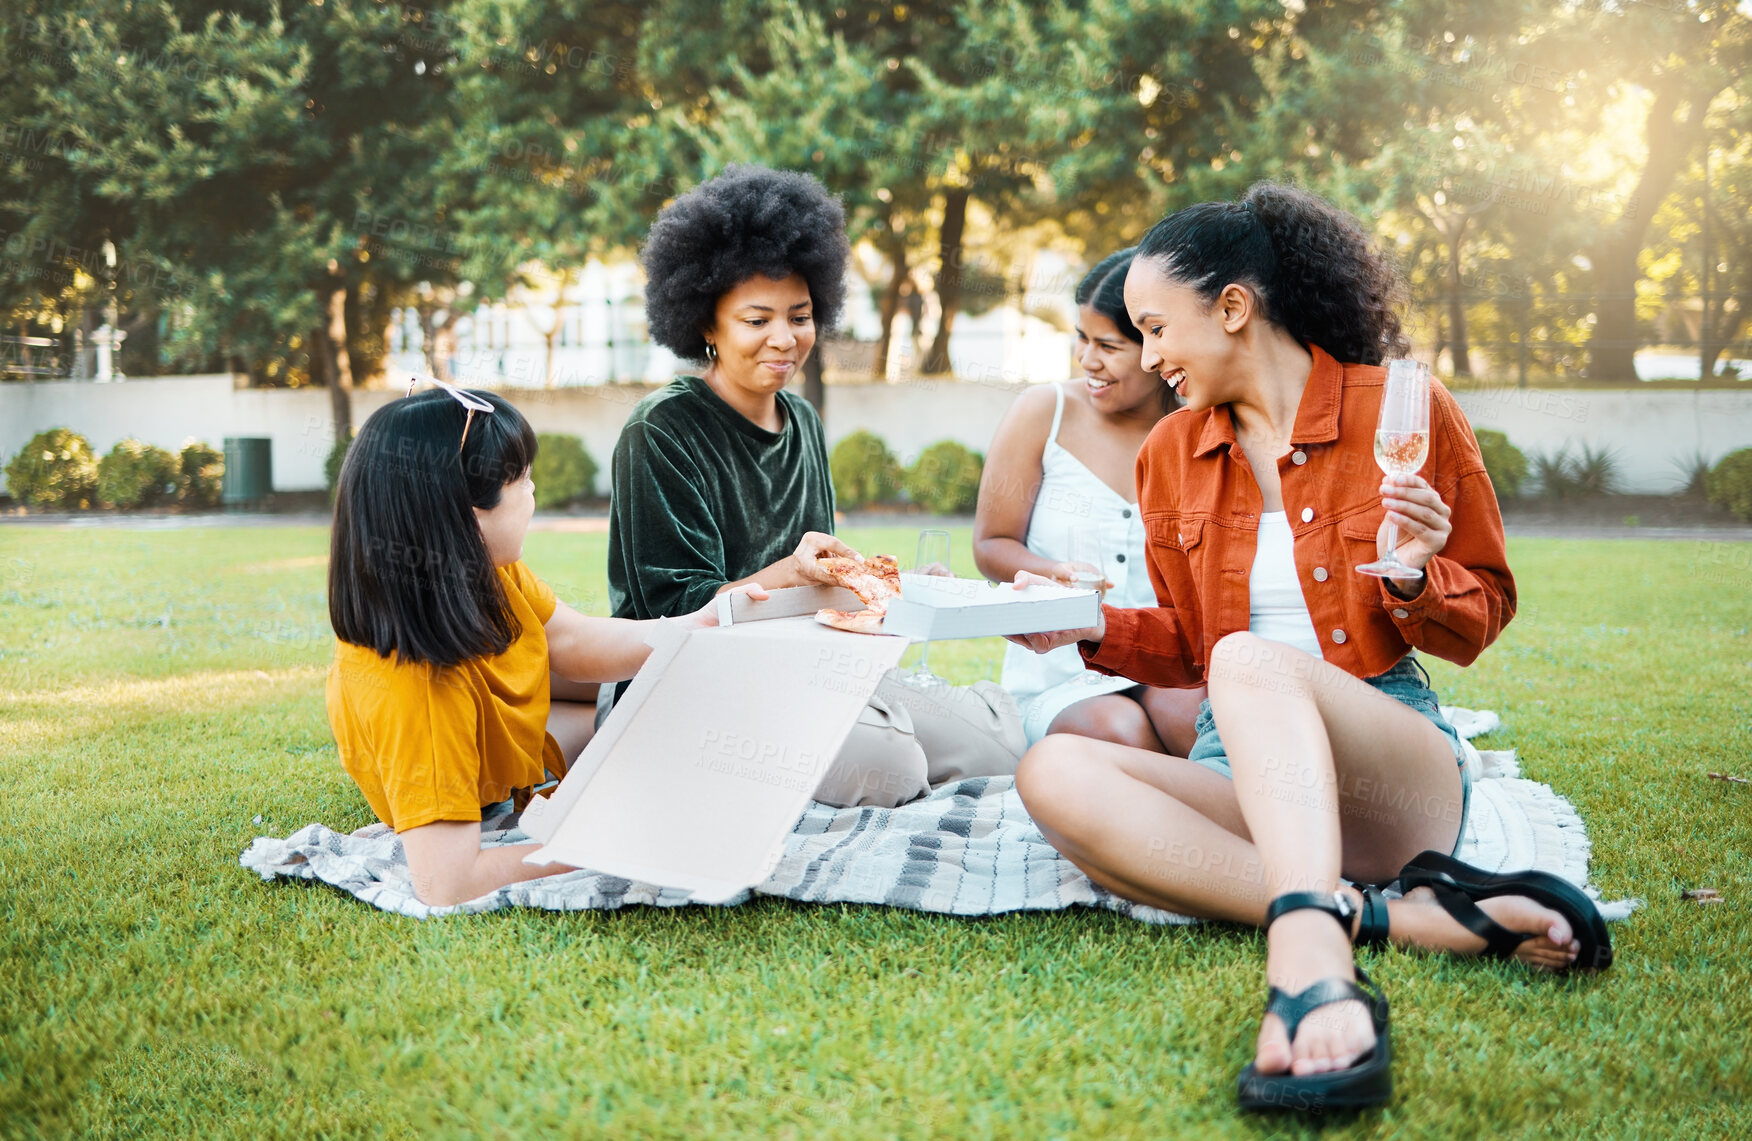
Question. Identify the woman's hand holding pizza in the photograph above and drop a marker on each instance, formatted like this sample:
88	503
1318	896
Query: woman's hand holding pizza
814	545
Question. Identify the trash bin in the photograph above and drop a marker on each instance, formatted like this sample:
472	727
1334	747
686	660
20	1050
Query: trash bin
249	472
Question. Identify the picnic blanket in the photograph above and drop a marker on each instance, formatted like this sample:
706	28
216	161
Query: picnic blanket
969	848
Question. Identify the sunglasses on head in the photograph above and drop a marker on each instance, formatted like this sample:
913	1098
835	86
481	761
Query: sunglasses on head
468	400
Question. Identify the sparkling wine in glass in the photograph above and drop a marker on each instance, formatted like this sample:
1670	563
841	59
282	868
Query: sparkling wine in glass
932	558
1402	443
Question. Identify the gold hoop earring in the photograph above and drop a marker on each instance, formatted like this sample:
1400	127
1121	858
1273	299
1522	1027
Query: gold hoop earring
711	352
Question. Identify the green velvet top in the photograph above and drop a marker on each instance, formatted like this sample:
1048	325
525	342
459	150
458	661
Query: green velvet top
702	496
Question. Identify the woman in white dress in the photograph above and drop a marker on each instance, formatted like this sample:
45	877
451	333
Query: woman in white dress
1061	462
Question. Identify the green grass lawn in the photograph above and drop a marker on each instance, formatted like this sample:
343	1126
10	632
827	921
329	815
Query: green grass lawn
161	692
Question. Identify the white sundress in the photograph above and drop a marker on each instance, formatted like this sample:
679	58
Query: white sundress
1044	685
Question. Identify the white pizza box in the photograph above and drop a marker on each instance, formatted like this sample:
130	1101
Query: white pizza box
785	602
707	760
937	608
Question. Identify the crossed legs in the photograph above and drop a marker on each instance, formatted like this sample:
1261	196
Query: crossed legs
1144	717
1331	778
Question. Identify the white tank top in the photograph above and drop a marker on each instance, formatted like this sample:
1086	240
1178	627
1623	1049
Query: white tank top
1275	606
1072	494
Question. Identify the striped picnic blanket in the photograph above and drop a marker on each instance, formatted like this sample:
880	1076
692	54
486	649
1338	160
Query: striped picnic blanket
967	849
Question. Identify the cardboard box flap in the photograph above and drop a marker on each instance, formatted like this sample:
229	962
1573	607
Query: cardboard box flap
785	602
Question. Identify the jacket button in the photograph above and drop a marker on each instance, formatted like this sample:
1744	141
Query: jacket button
1338	636
1181	535
1298	457
1401	612
1120	558
1307	515
1319	574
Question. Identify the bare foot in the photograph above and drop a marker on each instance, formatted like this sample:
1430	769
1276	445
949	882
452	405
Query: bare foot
1305	947
1418	920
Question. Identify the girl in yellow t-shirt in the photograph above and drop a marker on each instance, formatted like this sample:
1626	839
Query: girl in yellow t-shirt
449	649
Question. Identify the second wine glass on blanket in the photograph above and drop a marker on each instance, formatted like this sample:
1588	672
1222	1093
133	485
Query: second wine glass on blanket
932	558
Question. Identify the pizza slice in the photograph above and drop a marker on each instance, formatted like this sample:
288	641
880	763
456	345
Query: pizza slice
875	581
853	621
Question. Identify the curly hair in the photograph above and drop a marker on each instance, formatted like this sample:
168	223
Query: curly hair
1319	275
748	220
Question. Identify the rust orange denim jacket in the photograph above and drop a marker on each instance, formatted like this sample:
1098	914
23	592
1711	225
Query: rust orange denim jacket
1201	506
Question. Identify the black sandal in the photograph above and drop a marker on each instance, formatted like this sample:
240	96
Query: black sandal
1369	1081
1459	886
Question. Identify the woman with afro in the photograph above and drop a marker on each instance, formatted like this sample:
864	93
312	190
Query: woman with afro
721	479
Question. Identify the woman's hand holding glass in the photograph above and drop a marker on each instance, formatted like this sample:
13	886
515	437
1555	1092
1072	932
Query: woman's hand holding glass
1422	520
1068	573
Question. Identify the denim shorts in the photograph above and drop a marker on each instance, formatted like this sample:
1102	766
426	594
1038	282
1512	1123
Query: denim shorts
1406	682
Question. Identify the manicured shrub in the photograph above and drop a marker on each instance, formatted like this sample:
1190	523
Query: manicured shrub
136	474
1595	471
1552	471
1730	483
1592	471
945	478
864	471
1503	462
1693	469
203	470
56	470
563	471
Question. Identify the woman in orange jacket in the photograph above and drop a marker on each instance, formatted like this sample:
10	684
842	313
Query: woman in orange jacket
1321	753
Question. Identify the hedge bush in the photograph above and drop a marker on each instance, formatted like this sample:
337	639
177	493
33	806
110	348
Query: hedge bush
203	471
55	470
1503	462
137	474
563	470
945	478
864	471
1730	483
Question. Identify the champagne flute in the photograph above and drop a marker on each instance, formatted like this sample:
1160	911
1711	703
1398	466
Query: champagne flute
1083	545
1402	443
932	558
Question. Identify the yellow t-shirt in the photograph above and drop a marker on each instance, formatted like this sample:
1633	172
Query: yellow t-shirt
427	744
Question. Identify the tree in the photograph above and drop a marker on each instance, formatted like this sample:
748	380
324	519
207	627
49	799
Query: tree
1709	200
282	162
1684	58
549	167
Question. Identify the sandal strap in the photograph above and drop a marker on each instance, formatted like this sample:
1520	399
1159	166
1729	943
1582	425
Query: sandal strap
1372	927
1334	904
1499	941
1293	1008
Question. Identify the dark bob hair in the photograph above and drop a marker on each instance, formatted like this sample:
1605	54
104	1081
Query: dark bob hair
409	572
1103	290
748	220
1318	274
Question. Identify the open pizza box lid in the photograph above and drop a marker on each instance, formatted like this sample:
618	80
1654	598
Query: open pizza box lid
707	760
